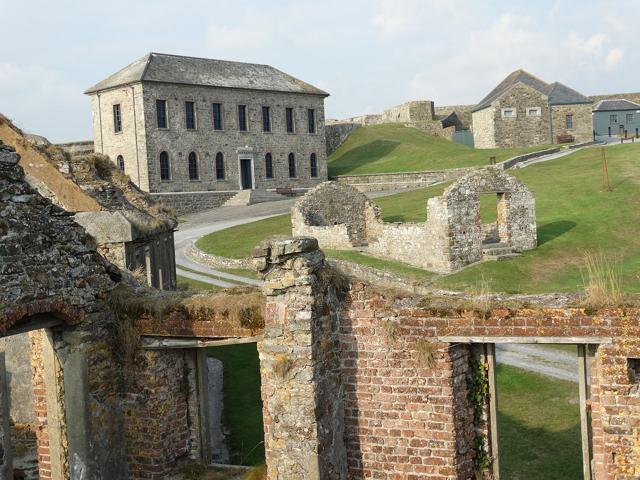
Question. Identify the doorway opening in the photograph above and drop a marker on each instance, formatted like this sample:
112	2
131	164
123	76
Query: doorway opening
246	174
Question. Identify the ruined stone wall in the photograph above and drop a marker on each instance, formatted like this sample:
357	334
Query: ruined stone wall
410	112
582	130
388	181
189	202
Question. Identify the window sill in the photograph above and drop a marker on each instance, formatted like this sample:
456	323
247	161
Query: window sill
118	133
163	128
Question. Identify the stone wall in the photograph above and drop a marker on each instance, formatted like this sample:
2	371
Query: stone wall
483	127
391	181
405	373
337	133
633	96
410	112
452	237
189	202
523	130
582	130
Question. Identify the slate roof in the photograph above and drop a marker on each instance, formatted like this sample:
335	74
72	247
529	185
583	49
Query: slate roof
615	104
165	68
558	93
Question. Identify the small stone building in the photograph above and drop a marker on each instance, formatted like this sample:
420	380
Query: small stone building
453	236
524	110
195	131
131	229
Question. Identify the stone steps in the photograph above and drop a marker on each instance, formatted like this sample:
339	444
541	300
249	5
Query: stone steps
250	197
498	252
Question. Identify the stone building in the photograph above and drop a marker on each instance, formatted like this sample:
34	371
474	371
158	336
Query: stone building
130	229
524	110
193	131
453	236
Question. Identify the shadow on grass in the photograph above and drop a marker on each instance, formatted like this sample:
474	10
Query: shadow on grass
528	453
552	230
361	156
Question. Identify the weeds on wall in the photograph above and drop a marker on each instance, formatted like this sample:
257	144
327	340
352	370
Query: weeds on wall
259	472
425	352
282	365
602	279
478	393
390	332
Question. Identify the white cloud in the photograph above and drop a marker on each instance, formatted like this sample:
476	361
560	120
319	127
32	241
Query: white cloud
613	57
398	17
591	46
254	31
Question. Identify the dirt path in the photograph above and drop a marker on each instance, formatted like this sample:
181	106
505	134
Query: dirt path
540	359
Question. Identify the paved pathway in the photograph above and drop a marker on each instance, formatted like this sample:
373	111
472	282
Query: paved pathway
540	359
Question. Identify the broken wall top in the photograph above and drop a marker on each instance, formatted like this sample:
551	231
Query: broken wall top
86	183
48	263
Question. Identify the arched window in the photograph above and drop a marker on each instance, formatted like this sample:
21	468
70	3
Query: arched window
292	165
164	166
193	166
120	162
219	166
313	163
268	165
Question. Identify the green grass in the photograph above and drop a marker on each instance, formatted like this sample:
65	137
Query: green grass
242	401
574	215
239	241
387	265
396	148
539	426
194	284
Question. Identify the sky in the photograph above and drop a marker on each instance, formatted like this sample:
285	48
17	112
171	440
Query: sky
368	54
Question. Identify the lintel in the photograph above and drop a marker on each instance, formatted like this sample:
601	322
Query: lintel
160	343
513	339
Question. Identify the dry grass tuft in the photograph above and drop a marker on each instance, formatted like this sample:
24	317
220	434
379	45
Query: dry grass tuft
602	278
193	471
128	339
259	472
332	277
390	332
425	352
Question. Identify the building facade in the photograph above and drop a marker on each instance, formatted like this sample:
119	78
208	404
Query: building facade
524	110
202	129
616	117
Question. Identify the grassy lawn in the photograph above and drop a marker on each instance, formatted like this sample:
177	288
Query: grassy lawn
242	402
194	284
396	148
387	265
539	429
574	215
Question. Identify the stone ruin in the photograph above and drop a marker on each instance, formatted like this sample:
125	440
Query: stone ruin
453	236
355	384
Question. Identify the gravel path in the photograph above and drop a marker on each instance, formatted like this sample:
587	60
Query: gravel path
540	359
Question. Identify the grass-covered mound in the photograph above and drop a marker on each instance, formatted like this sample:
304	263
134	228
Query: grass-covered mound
396	148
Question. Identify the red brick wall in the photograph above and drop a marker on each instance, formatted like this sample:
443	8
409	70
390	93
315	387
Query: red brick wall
156	424
40	402
409	421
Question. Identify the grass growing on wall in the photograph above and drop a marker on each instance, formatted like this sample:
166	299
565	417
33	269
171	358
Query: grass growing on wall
396	148
539	426
242	402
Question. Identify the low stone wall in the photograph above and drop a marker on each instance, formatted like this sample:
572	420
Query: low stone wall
215	261
391	181
381	278
189	202
512	162
337	133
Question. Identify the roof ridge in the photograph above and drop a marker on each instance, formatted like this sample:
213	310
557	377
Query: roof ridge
209	59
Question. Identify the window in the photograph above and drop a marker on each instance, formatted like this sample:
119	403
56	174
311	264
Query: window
161	113
242	118
190	115
288	114
120	162
292	166
629	117
568	121
533	111
508	112
311	120
193	166
217	116
268	165
266	119
313	163
219	166
613	119
117	118
164	166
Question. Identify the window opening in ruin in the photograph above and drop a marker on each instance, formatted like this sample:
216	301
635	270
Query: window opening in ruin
633	368
235	406
541	392
489	204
